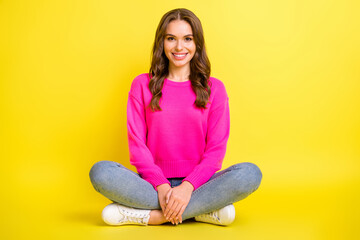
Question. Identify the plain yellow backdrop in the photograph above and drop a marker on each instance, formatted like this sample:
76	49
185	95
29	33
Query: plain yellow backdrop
292	72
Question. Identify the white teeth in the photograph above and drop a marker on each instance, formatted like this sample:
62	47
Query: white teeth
179	55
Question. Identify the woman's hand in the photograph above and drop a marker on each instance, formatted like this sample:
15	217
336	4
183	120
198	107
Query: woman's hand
177	200
163	190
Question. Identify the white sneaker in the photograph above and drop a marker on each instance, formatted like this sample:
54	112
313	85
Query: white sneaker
116	214
222	216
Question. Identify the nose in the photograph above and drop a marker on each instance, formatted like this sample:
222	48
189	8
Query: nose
179	46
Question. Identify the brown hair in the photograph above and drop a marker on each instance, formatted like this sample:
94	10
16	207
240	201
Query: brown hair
199	64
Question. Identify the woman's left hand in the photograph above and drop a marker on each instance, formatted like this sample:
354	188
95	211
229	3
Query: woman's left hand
177	200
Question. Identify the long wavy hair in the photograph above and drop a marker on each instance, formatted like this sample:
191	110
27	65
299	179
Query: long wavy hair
199	65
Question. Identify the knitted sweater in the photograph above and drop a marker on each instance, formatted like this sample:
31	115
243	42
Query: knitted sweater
181	140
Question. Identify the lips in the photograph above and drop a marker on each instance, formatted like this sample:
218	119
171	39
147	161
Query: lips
179	56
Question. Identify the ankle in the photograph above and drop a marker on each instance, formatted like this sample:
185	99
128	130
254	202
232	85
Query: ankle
156	217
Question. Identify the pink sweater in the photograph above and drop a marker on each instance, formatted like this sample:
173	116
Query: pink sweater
181	140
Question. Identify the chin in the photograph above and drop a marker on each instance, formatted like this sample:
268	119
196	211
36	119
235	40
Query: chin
180	64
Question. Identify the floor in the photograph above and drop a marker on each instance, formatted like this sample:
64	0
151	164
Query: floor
59	210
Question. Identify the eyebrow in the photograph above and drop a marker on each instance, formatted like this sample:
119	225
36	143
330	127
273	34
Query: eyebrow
175	36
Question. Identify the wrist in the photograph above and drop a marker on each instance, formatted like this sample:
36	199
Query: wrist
163	186
188	185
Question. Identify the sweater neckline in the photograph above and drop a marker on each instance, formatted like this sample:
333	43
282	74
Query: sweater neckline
177	84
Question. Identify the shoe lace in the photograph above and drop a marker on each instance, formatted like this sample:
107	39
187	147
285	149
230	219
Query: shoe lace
212	216
134	217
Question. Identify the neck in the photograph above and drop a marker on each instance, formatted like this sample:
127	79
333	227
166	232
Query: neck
179	74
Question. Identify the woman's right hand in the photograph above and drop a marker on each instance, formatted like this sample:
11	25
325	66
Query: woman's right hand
163	190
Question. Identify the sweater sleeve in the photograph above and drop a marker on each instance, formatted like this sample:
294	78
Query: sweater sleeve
218	131
140	155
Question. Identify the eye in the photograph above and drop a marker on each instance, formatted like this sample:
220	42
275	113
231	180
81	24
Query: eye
170	38
188	39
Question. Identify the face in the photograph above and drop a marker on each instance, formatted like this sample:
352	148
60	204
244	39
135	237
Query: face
179	45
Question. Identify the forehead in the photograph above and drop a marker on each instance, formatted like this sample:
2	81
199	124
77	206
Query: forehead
178	28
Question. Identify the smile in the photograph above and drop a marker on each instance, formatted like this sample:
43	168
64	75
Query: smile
179	56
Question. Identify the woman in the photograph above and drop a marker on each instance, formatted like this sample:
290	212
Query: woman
178	126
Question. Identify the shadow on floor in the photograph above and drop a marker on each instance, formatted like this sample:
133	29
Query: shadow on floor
88	218
94	218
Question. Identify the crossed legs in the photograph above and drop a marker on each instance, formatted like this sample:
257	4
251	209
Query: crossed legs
126	187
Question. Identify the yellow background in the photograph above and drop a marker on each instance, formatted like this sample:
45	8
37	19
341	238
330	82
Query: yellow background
291	69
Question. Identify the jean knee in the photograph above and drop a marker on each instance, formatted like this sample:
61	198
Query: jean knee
98	172
250	173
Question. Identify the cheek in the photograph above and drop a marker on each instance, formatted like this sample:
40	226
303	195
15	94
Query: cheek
167	52
168	47
192	47
193	50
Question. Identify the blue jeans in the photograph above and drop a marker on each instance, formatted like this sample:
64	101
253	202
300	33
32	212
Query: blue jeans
126	187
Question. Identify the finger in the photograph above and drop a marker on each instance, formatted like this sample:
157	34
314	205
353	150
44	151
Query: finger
170	214
167	197
163	207
178	216
181	212
176	211
168	208
162	204
167	204
177	220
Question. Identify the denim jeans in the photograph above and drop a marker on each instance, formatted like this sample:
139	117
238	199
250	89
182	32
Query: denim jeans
126	187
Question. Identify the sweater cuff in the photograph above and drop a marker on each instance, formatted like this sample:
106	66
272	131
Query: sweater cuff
158	181
195	180
200	175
